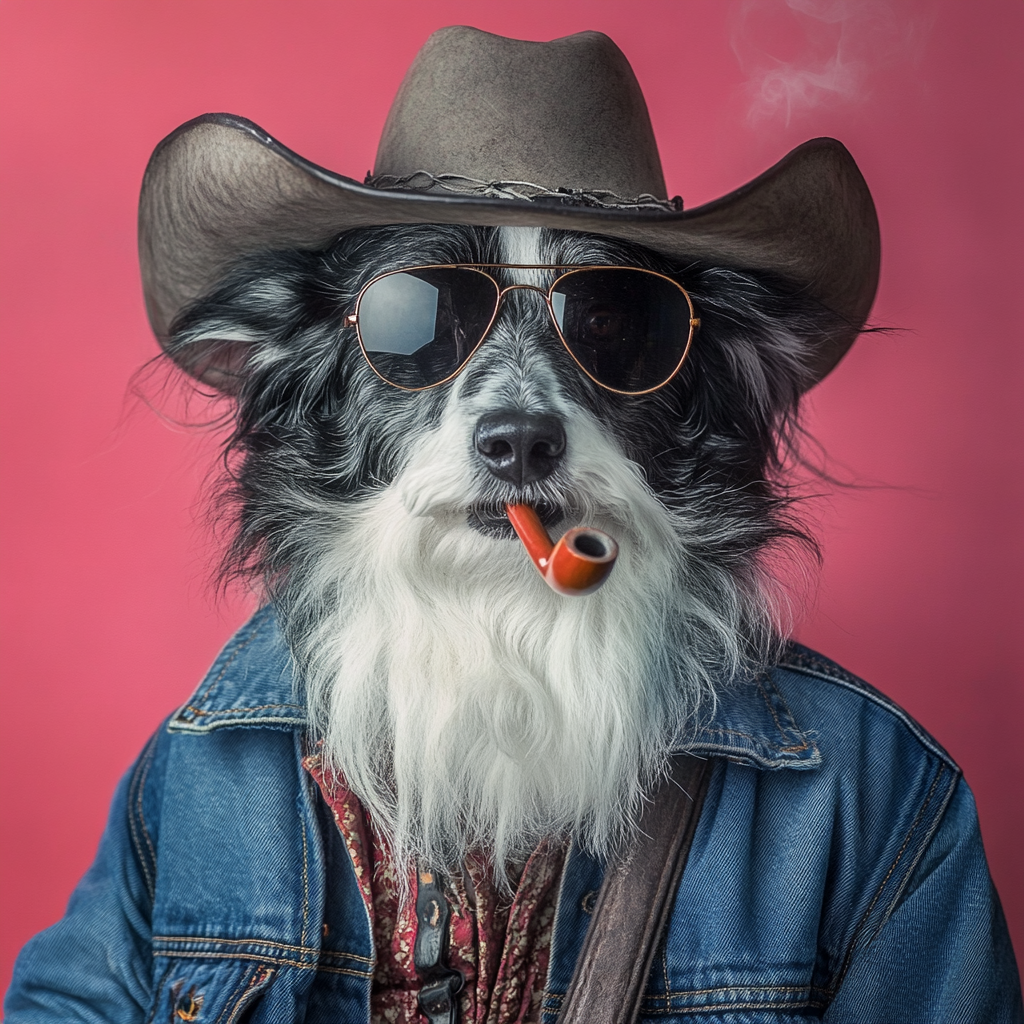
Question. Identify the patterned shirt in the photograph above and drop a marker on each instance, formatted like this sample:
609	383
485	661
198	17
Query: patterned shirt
499	944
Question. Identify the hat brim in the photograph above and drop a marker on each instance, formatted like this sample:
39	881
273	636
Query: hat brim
219	187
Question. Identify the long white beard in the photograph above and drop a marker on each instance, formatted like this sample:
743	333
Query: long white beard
468	705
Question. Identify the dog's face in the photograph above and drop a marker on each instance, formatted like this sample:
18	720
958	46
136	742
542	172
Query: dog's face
464	701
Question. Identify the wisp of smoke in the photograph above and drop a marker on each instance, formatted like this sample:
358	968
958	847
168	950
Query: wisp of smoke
843	43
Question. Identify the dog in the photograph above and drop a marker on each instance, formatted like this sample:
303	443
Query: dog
420	781
465	703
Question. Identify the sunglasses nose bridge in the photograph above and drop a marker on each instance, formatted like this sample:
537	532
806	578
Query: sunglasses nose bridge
521	288
502	292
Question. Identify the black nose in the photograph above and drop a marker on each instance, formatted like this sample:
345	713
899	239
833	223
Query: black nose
520	447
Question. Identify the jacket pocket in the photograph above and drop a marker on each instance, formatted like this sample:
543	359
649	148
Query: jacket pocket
204	991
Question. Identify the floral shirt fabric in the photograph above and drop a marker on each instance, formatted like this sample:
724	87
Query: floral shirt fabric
499	943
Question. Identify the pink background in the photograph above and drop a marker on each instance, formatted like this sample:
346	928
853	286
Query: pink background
108	615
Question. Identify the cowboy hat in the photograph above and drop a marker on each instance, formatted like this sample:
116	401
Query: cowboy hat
486	130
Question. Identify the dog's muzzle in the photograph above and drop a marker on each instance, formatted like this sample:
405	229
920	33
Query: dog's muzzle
521	448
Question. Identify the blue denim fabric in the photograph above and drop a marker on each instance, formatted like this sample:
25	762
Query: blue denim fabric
837	873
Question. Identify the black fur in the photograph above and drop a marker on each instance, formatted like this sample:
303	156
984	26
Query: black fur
315	425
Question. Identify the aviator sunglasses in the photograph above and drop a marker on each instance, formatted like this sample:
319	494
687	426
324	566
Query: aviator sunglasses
627	329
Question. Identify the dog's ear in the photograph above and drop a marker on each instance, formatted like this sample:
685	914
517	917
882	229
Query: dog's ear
217	362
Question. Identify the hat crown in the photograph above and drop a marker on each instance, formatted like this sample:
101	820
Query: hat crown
564	114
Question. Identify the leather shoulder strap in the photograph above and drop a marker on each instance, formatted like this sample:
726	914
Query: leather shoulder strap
635	901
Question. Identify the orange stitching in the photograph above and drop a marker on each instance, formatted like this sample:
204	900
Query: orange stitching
793	749
742	754
336	959
832	673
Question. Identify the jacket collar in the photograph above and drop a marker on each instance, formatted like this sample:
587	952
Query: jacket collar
252	683
751	723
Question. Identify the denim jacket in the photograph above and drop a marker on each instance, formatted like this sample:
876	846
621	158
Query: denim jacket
837	873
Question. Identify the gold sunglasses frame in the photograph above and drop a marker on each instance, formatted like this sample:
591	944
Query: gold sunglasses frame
352	319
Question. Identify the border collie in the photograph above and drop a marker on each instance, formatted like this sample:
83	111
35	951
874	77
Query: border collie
465	703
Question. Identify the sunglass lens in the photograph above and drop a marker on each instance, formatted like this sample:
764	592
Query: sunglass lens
419	326
627	328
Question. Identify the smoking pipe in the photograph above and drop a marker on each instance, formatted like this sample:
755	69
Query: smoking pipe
578	564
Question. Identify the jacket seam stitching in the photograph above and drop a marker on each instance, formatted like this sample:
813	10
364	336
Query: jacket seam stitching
803	1004
787	736
787	733
305	871
265	943
142	815
666	999
230	711
246	977
833	674
350	971
794	729
862	924
158	996
137	786
258	980
796	748
724	990
231	660
926	842
314	965
190	725
743	753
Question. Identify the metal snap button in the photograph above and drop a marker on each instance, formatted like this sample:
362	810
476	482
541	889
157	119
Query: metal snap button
188	1004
